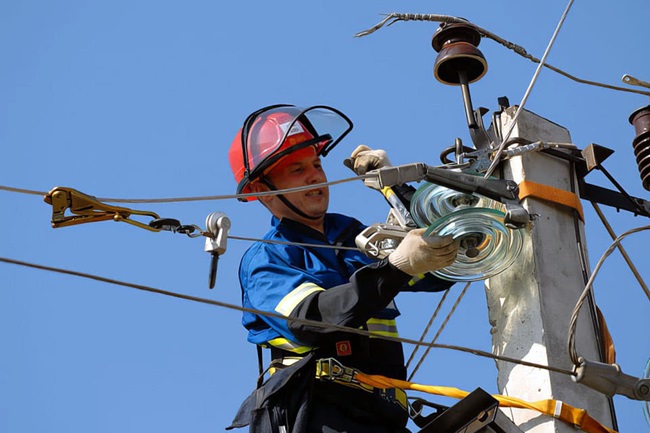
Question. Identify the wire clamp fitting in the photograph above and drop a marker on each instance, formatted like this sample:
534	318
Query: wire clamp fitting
87	209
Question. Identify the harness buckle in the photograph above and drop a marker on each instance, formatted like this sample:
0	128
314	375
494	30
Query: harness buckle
330	369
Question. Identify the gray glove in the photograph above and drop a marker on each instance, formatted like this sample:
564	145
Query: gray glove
365	159
417	254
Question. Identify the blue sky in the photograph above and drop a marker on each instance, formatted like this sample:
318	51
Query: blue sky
141	99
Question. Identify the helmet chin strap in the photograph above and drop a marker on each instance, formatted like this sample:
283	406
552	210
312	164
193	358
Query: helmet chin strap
286	201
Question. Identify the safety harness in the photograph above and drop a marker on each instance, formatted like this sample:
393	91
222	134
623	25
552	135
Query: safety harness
332	370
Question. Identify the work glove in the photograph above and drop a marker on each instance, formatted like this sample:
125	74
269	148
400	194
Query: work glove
417	254
364	159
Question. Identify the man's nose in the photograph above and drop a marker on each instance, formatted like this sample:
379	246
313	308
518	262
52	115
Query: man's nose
316	175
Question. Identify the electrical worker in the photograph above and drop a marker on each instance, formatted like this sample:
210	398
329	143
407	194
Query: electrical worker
308	269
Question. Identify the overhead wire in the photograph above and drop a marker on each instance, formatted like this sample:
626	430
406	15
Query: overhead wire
225	305
626	257
442	326
496	158
314	323
205	198
518	49
396	17
441	302
302	244
571	343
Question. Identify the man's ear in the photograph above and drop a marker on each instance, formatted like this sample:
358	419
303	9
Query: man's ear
256	186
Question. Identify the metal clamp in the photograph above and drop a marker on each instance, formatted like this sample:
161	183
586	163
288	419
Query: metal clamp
379	240
609	379
87	209
217	226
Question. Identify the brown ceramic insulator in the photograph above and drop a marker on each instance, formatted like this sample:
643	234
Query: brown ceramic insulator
641	143
456	45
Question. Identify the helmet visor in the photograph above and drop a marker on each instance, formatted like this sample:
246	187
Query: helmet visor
275	131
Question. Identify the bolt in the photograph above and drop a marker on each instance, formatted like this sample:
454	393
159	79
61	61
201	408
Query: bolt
644	390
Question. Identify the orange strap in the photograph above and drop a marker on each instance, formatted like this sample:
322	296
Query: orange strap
606	339
529	188
555	408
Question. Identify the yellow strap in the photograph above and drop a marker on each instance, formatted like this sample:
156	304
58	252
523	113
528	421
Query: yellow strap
555	408
528	188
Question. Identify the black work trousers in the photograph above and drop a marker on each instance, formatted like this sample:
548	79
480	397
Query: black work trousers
335	408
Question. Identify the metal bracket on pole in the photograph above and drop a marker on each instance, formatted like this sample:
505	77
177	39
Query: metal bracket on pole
502	190
609	379
496	189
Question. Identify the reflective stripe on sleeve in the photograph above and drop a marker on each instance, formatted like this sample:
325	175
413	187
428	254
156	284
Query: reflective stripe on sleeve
416	279
290	346
386	327
294	297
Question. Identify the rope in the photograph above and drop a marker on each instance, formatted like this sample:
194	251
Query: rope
307	322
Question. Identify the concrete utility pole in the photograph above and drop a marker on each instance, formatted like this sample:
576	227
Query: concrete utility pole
530	304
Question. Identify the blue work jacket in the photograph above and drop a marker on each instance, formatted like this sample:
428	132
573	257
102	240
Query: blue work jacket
339	286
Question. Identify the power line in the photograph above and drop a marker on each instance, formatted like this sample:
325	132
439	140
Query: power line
520	108
395	17
204	198
307	322
573	351
442	326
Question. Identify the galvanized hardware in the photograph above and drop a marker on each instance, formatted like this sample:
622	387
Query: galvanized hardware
217	226
175	226
502	190
609	379
379	240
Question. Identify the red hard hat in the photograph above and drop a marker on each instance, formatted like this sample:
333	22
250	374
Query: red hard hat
273	132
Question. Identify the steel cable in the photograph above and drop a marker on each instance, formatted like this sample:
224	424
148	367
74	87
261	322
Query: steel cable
307	322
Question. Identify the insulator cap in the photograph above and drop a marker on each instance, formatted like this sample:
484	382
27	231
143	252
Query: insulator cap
456	45
641	143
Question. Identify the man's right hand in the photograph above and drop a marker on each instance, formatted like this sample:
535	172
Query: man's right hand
418	254
364	159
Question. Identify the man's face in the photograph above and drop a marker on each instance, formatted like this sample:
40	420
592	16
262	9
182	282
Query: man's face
300	168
